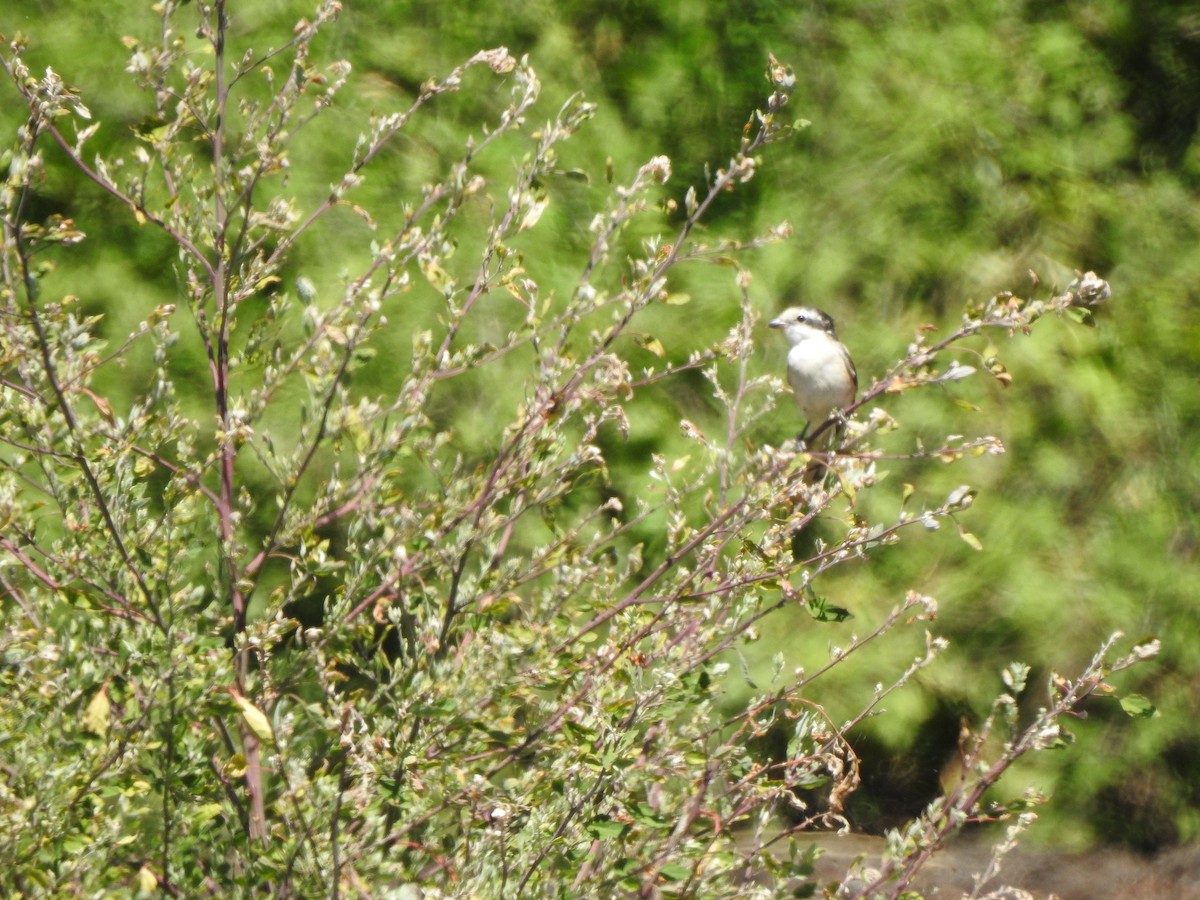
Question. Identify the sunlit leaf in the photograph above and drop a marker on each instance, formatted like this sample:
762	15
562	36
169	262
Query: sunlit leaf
236	766
96	715
147	882
255	719
971	541
1137	706
652	344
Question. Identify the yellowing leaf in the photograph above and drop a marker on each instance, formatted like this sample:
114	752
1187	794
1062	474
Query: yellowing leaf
653	344
96	716
236	767
973	542
255	719
438	277
147	882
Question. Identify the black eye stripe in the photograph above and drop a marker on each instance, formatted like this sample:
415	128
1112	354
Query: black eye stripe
811	318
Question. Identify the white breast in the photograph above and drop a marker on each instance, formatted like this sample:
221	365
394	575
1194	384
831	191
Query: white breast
818	375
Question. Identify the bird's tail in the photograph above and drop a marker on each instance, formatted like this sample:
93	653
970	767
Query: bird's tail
823	446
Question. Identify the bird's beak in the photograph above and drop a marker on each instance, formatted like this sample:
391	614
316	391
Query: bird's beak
775	323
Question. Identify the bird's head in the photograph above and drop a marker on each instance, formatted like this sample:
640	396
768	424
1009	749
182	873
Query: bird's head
802	322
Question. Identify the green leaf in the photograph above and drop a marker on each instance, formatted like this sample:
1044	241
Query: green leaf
578	732
206	812
675	871
646	815
824	611
1015	676
152	130
746	671
1081	316
605	828
1137	706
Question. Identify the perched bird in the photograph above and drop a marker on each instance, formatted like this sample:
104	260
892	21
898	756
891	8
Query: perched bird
819	367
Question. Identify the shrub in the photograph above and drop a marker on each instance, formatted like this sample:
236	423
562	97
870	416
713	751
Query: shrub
290	632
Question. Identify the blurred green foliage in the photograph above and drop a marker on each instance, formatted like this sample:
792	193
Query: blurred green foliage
954	147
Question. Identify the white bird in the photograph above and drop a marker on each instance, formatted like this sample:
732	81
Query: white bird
819	368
